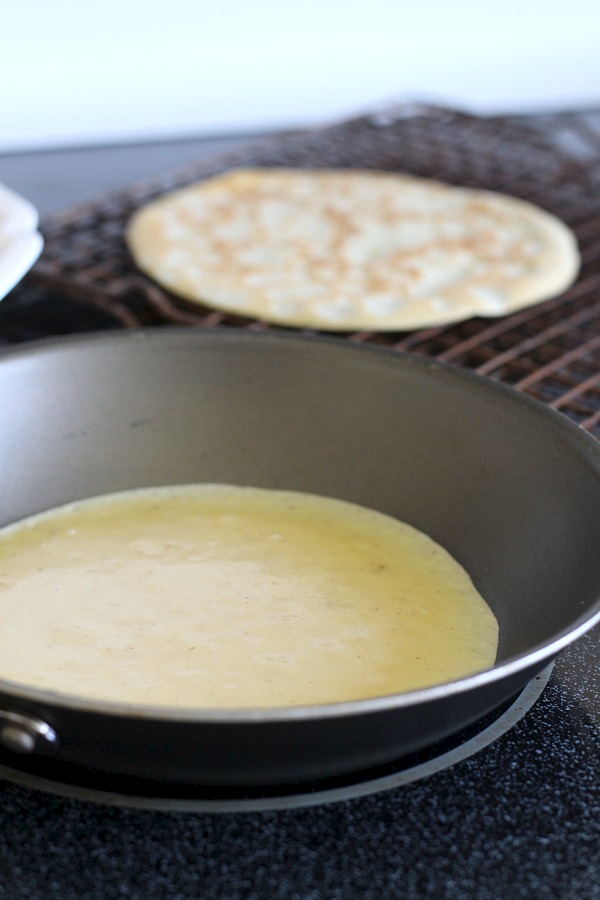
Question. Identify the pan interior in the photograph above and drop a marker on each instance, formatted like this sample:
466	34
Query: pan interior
510	489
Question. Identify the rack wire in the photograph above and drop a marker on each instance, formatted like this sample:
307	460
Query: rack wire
550	351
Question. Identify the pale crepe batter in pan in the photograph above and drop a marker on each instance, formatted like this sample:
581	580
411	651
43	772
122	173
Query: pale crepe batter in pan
222	596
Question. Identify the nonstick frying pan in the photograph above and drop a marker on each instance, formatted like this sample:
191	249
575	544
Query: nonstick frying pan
508	486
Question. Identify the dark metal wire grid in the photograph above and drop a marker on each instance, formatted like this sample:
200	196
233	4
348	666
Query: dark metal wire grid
550	351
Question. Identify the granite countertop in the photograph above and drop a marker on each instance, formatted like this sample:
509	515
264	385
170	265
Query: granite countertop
521	819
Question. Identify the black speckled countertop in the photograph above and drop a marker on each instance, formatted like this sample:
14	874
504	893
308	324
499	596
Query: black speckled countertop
520	819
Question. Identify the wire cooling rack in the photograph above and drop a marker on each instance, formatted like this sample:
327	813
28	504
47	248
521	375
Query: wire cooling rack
550	351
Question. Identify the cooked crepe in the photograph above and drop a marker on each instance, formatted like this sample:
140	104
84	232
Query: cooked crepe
221	596
350	249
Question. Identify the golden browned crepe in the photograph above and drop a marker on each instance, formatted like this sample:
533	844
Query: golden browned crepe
350	249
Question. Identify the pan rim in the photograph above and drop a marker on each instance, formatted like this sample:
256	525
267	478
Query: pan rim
524	701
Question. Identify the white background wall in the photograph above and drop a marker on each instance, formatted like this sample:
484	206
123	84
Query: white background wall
75	72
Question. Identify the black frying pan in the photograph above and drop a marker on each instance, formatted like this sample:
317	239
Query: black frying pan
510	488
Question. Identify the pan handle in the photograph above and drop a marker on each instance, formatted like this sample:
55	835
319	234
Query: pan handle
24	734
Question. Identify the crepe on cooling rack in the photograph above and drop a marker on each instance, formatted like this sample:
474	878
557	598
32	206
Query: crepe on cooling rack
348	249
